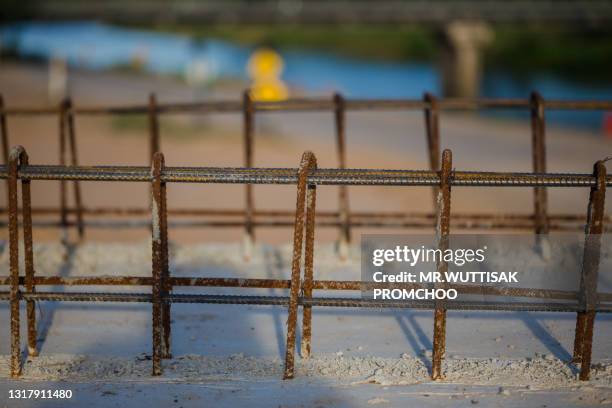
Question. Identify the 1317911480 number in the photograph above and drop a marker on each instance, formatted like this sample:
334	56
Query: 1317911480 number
39	394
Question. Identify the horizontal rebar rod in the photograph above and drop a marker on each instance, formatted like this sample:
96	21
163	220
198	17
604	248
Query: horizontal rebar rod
289	176
197	223
316	104
284	218
285	284
320	301
128	211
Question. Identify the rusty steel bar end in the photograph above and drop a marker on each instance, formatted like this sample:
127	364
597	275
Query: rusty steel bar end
442	232
308	162
157	261
26	214
311	198
585	320
17	156
166	283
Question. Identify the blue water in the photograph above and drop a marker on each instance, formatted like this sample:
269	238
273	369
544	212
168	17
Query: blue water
97	46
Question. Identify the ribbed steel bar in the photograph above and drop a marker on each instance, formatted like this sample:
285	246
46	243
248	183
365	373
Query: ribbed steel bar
442	236
28	247
289	176
4	132
360	215
340	285
307	286
343	198
166	285
538	146
315	104
78	201
432	130
154	144
248	113
62	162
400	224
15	157
307	165
157	292
318	301
583	342
284	218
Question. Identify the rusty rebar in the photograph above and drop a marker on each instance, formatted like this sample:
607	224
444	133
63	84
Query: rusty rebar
62	161
285	284
318	104
221	218
442	235
311	200
4	132
308	162
432	131
315	301
588	299
538	143
307	179
74	162
26	205
249	127
370	177
154	144
343	199
15	157
158	260
166	284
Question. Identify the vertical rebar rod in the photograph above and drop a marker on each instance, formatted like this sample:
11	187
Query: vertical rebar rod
343	198
4	132
75	162
4	136
311	199
154	145
578	337
158	260
585	320
308	162
13	219
249	118
432	130
62	161
166	285
538	143
26	214
442	232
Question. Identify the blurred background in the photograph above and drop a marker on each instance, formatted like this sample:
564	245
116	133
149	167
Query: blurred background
104	53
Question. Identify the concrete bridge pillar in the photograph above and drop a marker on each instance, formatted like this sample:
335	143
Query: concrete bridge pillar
462	57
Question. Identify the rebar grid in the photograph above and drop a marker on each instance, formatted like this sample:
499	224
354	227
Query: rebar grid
344	220
586	301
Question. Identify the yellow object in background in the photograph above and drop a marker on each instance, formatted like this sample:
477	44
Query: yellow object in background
265	68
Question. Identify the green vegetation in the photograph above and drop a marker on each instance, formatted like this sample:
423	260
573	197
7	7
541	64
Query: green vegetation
383	42
580	55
